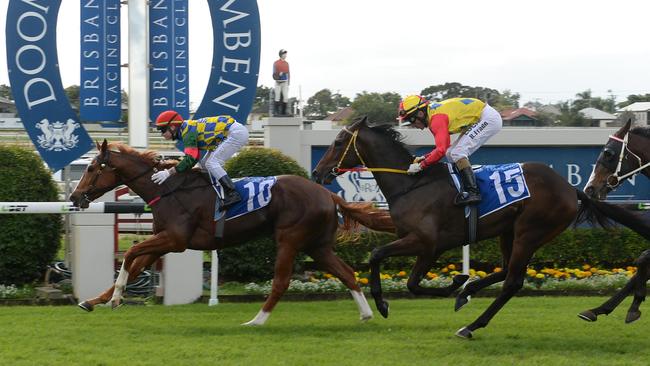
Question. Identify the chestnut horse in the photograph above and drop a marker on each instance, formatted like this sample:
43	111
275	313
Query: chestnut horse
302	216
625	154
428	223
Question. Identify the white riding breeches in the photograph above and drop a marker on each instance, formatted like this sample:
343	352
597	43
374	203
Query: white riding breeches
214	160
281	89
476	135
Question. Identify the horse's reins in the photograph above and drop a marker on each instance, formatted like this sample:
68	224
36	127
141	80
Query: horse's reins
337	170
615	177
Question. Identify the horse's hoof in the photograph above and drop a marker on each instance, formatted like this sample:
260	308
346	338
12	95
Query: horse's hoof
116	304
464	333
460	302
86	306
364	318
588	315
632	316
383	308
460	279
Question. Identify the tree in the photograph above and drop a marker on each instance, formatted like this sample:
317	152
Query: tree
633	98
571	117
379	107
5	92
455	90
72	92
585	99
325	102
262	99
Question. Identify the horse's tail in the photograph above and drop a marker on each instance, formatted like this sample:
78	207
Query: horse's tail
365	214
598	212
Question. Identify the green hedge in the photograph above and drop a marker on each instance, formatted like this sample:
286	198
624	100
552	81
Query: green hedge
255	259
573	248
28	243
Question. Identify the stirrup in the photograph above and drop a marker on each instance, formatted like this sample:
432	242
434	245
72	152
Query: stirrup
467	198
231	199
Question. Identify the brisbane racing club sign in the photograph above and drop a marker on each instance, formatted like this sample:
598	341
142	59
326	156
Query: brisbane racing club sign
36	83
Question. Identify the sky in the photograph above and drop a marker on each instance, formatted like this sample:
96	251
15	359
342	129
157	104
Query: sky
546	51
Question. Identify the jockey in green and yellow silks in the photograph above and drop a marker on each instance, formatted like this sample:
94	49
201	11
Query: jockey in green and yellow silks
209	141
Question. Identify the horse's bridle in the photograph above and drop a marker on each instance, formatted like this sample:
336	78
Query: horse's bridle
614	180
105	164
337	170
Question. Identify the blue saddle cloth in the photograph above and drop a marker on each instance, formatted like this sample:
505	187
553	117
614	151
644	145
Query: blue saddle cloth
500	186
255	193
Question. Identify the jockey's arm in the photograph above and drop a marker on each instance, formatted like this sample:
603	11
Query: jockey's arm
191	150
439	126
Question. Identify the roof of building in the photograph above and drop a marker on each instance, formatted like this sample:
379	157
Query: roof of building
341	114
637	107
510	114
593	113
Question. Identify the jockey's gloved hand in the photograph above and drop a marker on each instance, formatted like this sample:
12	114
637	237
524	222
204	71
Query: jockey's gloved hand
161	176
418	159
414	168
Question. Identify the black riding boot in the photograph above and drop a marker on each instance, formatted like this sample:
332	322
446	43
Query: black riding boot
230	194
284	108
471	194
276	109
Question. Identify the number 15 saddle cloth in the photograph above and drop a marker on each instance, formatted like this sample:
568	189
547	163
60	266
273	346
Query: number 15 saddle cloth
500	186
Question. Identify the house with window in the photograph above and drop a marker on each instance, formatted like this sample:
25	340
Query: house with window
598	118
641	111
520	117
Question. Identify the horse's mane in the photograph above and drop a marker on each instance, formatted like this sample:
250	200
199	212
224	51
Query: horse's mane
150	156
392	135
641	131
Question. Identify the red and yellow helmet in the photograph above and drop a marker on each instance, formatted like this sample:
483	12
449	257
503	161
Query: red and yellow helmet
167	118
408	106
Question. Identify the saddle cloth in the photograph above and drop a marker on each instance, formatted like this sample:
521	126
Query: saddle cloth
500	186
255	193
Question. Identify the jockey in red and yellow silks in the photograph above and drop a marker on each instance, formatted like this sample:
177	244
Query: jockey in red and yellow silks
209	141
473	119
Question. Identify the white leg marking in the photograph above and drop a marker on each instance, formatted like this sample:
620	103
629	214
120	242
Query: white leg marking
364	309
259	319
120	284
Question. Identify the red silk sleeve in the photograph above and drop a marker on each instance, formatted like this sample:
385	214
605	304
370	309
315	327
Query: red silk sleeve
439	126
192	151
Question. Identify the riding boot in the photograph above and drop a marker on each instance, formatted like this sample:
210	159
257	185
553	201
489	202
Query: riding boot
471	194
284	108
276	109
231	196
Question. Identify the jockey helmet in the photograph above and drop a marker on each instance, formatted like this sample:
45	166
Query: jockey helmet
167	118
282	52
408	106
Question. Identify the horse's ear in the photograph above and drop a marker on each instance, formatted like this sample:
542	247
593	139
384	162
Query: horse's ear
99	147
104	148
361	121
623	130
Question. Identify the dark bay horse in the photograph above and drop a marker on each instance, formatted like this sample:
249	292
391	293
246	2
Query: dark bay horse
625	154
428	223
302	216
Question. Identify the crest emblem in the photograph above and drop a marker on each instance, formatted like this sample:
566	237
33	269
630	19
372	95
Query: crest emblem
57	136
360	186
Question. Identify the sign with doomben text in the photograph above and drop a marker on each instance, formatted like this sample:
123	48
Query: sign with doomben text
100	96
235	59
35	80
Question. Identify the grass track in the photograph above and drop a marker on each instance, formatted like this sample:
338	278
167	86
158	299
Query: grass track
528	331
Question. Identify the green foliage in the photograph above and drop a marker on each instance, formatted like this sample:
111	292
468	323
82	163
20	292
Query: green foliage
325	102
457	90
261	102
255	259
379	107
572	248
262	162
28	243
633	98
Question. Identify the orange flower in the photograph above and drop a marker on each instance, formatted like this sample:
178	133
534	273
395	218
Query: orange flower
363	281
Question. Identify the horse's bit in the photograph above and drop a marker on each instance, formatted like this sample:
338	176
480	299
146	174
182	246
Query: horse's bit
614	180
